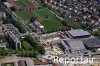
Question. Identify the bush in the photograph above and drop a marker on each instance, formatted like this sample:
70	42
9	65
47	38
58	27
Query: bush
26	45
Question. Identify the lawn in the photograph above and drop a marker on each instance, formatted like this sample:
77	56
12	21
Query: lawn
25	15
23	3
45	16
43	13
26	45
52	25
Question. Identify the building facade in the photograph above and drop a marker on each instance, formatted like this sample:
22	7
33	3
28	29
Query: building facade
12	35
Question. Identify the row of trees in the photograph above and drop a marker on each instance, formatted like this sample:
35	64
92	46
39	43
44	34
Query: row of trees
35	44
9	19
24	53
21	28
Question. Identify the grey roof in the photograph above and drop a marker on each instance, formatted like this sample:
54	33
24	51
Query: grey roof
92	42
76	45
78	32
63	42
11	28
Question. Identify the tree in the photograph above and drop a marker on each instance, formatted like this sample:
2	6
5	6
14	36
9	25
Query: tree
37	46
21	28
32	19
5	20
97	33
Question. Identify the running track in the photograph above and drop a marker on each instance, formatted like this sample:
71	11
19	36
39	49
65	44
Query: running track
28	8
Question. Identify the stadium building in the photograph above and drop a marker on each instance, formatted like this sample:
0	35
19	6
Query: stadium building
92	43
78	33
72	46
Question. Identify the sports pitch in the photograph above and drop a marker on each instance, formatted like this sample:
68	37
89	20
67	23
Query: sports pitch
52	25
25	15
45	16
43	13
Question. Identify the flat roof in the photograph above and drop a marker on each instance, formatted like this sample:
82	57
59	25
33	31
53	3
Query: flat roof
92	42
76	45
78	33
11	28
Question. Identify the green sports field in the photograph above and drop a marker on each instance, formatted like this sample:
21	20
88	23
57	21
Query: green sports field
23	3
43	13
25	15
45	16
52	25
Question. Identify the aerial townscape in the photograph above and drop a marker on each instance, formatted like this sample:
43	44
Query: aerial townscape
49	32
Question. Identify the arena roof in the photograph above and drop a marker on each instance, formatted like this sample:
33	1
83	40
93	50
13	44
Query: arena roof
78	33
92	43
74	45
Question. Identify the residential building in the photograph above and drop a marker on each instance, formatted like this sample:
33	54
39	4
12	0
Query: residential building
38	25
12	35
16	43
